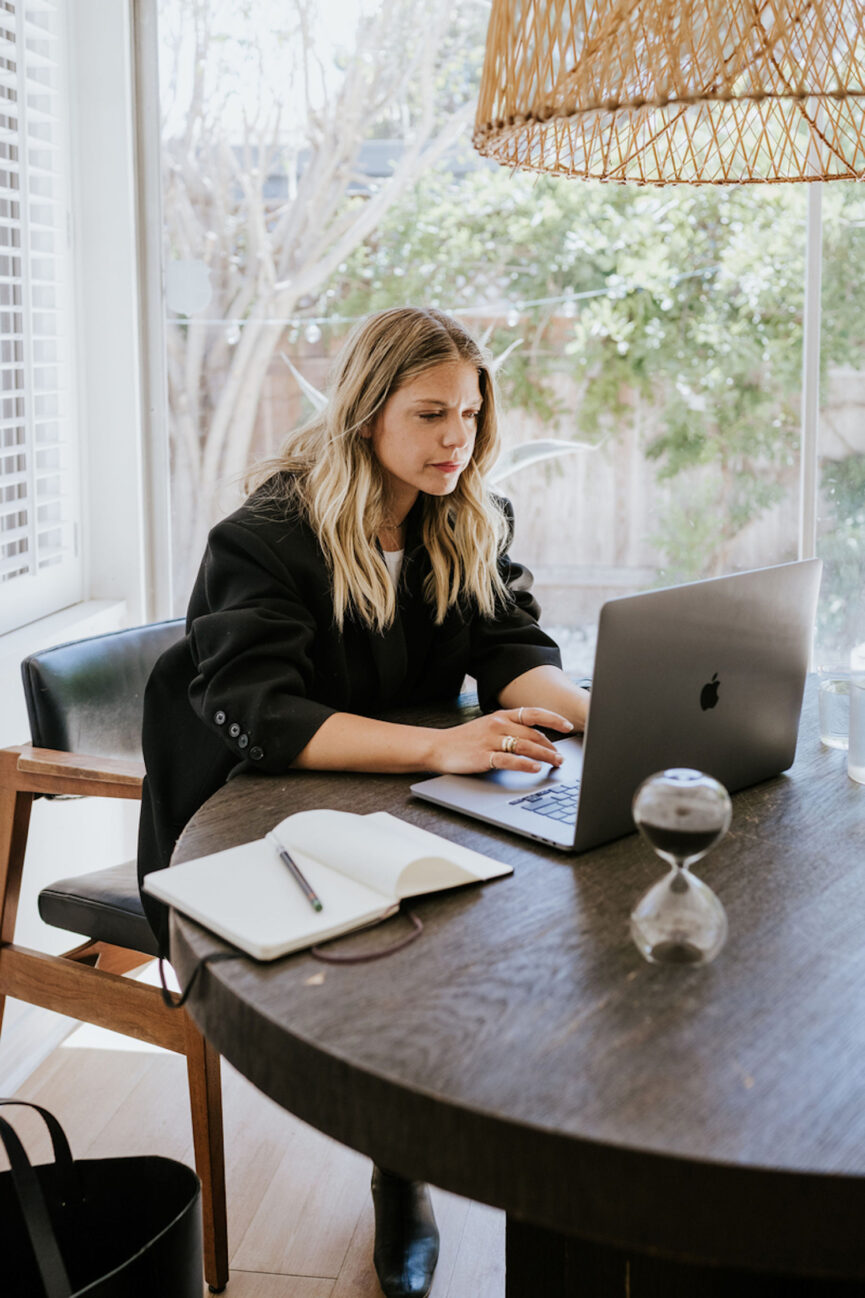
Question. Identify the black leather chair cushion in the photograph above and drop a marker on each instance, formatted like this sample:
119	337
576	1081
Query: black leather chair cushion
87	696
104	905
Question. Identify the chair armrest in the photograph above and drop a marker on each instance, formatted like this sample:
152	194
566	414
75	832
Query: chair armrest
44	770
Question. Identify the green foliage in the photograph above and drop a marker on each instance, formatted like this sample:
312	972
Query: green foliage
687	532
842	548
691	300
843	299
688	300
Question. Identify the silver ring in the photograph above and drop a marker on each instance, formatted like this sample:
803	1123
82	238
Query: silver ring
492	767
509	743
520	717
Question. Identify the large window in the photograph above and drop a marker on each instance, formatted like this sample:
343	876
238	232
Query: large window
314	172
40	567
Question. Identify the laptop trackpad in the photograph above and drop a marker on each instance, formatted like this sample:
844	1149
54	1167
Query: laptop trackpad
517	782
500	797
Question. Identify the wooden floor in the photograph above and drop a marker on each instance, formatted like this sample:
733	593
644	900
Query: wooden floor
299	1209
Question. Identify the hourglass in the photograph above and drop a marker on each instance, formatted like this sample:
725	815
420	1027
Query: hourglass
682	814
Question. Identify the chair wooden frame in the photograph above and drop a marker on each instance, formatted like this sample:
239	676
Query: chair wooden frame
87	983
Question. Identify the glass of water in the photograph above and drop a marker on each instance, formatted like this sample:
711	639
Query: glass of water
833	701
856	748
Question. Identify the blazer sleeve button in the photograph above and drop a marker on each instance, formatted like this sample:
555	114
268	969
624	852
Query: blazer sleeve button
219	718
243	741
234	729
256	753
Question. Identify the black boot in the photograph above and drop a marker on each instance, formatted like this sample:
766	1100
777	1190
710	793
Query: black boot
406	1236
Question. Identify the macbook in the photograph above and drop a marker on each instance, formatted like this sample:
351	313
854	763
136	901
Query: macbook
708	675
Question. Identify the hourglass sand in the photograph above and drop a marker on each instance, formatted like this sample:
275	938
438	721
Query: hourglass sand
682	814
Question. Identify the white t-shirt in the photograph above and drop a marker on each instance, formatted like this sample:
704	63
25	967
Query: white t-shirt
393	559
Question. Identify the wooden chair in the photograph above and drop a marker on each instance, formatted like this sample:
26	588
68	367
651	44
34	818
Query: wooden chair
85	701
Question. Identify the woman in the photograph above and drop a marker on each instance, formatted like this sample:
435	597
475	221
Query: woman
366	571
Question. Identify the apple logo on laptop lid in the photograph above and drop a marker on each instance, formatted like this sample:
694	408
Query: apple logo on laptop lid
709	693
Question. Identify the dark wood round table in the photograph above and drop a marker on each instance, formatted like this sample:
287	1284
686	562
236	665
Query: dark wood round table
693	1130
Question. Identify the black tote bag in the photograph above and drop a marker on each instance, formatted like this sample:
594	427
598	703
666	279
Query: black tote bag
99	1227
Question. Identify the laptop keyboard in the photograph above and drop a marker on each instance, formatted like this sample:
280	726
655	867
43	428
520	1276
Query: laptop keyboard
559	802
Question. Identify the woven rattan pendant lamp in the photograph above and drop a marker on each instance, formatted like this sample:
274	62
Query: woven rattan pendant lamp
706	92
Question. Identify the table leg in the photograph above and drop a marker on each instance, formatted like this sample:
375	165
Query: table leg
542	1262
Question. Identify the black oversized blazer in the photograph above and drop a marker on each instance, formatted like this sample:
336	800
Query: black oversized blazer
262	663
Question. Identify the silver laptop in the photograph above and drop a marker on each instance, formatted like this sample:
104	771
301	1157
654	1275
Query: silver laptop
708	675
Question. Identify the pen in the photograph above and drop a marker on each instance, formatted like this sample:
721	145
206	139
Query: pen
295	872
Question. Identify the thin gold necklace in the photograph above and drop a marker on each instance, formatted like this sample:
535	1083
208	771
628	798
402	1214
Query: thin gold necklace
393	532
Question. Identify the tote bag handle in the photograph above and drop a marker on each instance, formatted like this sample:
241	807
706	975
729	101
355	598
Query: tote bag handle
52	1269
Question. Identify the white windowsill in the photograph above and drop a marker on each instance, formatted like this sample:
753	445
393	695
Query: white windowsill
92	617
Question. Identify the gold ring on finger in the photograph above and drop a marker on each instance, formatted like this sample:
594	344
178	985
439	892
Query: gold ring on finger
520	717
509	743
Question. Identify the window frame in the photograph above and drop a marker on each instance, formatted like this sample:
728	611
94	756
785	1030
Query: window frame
119	417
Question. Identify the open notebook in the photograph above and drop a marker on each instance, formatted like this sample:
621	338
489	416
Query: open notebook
360	866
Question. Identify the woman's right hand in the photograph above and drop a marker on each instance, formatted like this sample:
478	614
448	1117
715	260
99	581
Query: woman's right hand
502	741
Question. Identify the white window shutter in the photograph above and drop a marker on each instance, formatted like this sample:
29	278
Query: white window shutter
40	568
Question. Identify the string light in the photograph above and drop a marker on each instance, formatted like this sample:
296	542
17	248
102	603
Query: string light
512	313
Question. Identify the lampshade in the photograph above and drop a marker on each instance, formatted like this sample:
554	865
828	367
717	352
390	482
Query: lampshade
711	92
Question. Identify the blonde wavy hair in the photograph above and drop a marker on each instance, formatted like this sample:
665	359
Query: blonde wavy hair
329	469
